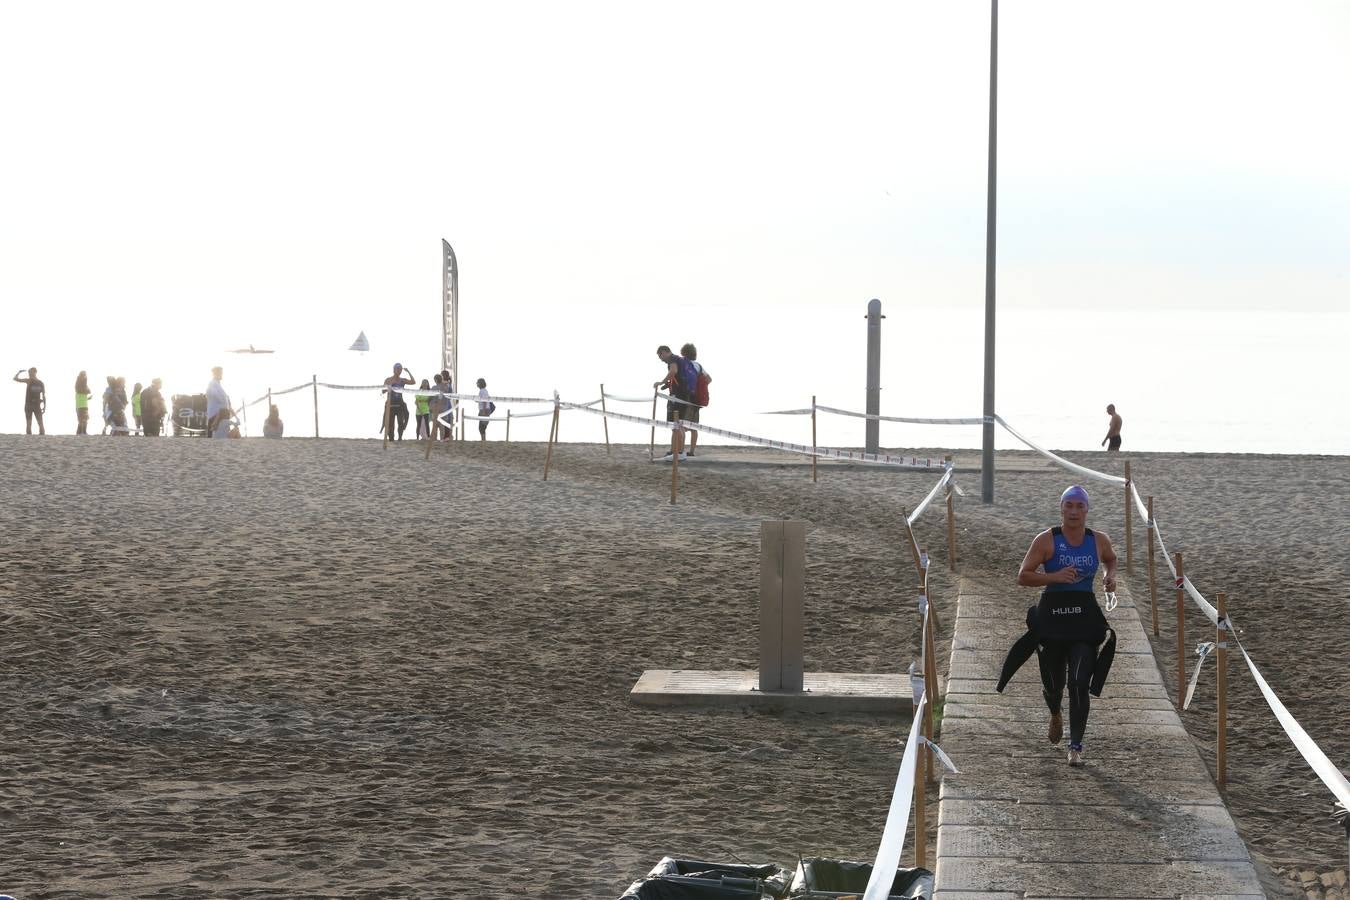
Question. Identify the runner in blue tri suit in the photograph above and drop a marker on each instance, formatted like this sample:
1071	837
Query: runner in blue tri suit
1069	623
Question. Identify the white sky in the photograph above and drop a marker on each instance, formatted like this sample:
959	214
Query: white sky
282	173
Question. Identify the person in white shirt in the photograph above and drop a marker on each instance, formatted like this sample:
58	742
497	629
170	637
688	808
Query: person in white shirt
218	411
485	408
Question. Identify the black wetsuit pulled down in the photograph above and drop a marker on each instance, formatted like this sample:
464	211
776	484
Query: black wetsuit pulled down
1066	629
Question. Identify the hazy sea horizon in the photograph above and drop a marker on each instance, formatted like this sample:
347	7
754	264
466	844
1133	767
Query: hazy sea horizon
1186	381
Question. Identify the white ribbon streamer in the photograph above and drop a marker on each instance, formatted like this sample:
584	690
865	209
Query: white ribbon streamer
942	757
1202	650
897	820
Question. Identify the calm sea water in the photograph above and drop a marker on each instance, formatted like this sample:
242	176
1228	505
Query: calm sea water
1187	381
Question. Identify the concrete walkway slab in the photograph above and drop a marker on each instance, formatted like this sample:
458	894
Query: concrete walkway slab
1142	819
822	691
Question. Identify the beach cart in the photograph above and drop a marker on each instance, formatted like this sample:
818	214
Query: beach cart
189	415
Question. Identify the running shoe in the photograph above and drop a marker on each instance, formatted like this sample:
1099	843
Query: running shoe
1075	755
1056	728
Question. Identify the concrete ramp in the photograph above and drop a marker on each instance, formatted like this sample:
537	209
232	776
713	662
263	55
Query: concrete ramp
1142	818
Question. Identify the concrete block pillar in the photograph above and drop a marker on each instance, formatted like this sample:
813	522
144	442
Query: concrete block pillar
782	579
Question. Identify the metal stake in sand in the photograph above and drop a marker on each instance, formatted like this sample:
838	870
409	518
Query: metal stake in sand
1152	568
604	417
508	426
388	409
675	448
651	453
314	383
1129	520
813	438
548	457
951	522
1221	633
1181	631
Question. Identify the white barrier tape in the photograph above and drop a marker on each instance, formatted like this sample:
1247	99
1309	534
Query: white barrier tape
906	420
1202	650
1139	503
350	387
942	757
786	412
1330	775
1082	470
1321	765
923	606
670	399
620	399
897	820
912	462
918	510
916	685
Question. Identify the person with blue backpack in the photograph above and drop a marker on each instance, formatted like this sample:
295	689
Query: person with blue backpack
681	379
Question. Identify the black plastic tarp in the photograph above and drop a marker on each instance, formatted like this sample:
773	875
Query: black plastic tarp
685	879
821	877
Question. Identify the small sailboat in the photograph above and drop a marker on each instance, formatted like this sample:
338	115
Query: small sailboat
361	343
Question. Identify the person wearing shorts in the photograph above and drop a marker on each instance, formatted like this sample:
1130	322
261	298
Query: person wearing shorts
1112	439
674	408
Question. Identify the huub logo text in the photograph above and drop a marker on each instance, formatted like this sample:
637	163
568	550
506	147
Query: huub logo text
1065	610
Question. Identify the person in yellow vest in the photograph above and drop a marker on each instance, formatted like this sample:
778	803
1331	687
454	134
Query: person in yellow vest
82	396
423	404
136	406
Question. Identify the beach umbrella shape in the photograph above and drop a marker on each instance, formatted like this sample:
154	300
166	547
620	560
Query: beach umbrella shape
361	343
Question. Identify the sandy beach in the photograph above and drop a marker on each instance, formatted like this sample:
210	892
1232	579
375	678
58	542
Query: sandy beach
324	668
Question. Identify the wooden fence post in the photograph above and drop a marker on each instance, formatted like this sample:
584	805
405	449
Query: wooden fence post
508	426
1152	566
1129	523
651	452
813	438
951	523
548	457
388	410
604	417
675	449
1221	660
1181	631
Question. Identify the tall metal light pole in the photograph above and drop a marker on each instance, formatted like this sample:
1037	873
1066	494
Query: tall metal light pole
991	232
872	430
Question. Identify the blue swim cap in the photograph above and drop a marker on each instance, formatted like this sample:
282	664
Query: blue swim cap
1074	492
398	365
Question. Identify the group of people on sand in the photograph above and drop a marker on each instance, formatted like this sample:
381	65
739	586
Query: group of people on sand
146	405
432	402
